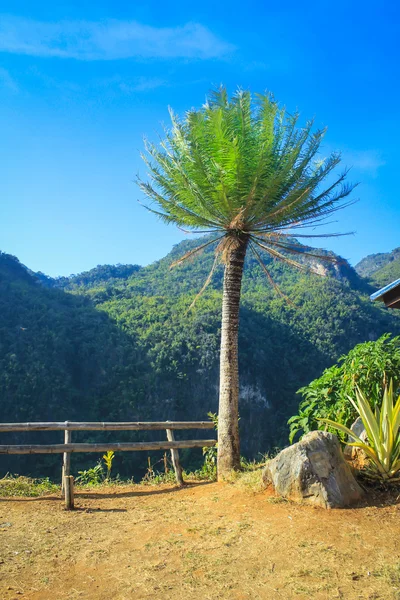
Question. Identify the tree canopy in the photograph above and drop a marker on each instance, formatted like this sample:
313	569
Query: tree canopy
244	165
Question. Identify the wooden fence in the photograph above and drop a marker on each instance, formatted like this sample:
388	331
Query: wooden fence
68	447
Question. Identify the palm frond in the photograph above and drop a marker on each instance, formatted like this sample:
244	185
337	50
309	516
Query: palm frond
190	253
206	283
299	249
269	276
245	166
285	259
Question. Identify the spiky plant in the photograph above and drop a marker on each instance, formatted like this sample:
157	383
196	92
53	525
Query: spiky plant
242	169
383	431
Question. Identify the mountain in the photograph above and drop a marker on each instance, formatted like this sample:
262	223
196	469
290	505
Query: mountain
99	275
119	343
380	269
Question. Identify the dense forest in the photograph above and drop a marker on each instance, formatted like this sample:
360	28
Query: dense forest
118	343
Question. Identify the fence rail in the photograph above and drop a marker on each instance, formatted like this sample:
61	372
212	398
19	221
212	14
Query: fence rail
106	426
116	446
68	447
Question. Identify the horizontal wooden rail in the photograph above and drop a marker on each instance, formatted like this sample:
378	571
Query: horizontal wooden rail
106	426
68	447
120	447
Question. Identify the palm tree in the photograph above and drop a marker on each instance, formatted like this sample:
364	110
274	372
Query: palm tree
242	169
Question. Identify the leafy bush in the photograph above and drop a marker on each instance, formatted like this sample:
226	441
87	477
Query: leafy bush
370	366
93	476
383	446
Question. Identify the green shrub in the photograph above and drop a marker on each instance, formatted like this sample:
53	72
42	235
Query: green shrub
93	476
370	365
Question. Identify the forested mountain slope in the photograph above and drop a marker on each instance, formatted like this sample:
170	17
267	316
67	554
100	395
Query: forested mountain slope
120	344
380	269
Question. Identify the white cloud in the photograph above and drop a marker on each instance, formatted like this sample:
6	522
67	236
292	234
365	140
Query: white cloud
51	82
130	85
6	81
365	160
116	84
108	40
143	84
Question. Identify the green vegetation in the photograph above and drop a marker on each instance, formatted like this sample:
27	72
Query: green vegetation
370	366
127	351
99	275
15	485
91	476
391	574
160	472
389	273
380	269
382	428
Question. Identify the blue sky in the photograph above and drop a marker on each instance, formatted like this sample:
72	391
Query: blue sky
81	83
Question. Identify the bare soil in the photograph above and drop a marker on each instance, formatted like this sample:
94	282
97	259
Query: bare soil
205	541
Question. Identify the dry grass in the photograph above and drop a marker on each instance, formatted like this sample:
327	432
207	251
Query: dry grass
206	541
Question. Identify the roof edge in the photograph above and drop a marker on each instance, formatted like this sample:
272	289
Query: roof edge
380	293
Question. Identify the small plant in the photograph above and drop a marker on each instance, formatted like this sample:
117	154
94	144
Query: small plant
214	418
108	458
209	468
383	447
155	477
93	476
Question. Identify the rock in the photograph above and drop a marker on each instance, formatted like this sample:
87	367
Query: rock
358	428
314	471
357	456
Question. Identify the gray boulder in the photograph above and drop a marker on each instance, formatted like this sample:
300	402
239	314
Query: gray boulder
357	455
314	471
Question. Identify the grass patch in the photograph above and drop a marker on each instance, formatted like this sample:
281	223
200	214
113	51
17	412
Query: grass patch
391	574
278	500
250	481
15	485
249	478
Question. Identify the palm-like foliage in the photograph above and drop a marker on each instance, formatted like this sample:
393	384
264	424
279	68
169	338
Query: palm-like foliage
243	169
238	166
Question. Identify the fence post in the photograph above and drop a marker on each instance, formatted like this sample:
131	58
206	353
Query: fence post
69	492
175	458
66	466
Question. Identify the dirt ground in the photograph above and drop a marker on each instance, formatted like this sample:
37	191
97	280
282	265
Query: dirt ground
205	541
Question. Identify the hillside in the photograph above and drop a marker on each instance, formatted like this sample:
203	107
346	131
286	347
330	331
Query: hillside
120	344
380	269
102	274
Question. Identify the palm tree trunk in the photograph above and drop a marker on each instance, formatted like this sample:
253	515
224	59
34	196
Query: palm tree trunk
228	415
